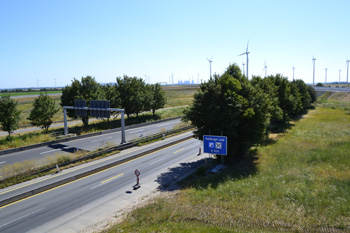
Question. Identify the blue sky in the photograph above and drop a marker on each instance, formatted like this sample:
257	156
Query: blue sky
48	43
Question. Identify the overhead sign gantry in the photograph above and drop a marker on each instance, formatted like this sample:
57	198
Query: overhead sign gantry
98	108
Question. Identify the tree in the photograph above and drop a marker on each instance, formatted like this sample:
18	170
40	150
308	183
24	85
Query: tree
157	99
44	109
229	105
312	93
268	86
9	114
86	89
132	94
305	97
288	98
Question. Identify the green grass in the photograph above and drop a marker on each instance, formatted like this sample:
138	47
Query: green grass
29	93
299	183
26	104
176	97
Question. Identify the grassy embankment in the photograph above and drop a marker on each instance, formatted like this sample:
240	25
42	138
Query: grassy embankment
175	98
301	182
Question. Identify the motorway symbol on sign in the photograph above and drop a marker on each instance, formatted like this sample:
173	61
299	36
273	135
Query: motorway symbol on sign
215	144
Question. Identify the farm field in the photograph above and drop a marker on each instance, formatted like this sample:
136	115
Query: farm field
29	93
297	183
175	97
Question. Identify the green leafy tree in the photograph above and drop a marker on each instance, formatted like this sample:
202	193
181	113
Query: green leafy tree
43	110
305	97
111	93
288	97
9	114
131	94
230	105
268	86
312	93
157	97
86	89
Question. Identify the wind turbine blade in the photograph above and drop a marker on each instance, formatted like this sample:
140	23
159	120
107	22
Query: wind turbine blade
242	54
247	46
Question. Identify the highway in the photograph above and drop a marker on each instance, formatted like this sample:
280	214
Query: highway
332	89
85	202
87	144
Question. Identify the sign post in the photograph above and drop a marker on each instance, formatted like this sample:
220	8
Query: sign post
137	185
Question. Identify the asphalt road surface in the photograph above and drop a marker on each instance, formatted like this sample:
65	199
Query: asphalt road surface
81	204
332	89
87	144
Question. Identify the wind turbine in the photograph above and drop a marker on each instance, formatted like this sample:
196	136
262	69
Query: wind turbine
265	68
293	72
243	68
210	61
313	60
246	52
339	75
347	73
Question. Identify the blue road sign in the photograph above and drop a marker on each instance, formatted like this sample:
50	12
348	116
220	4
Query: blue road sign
215	144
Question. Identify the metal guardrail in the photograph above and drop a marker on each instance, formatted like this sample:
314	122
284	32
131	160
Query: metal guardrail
160	135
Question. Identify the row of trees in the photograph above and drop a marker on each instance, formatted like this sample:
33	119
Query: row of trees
29	90
41	114
242	109
130	93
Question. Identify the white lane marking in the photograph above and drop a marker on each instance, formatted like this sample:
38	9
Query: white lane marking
2	162
135	130
165	124
107	181
24	216
158	160
49	151
100	139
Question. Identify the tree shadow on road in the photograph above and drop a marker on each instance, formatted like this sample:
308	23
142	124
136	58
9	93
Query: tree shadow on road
65	148
181	177
168	180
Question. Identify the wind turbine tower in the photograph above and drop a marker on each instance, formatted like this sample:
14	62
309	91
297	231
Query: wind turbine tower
293	72
325	78
246	53
243	68
265	68
313	60
210	61
339	75
347	73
